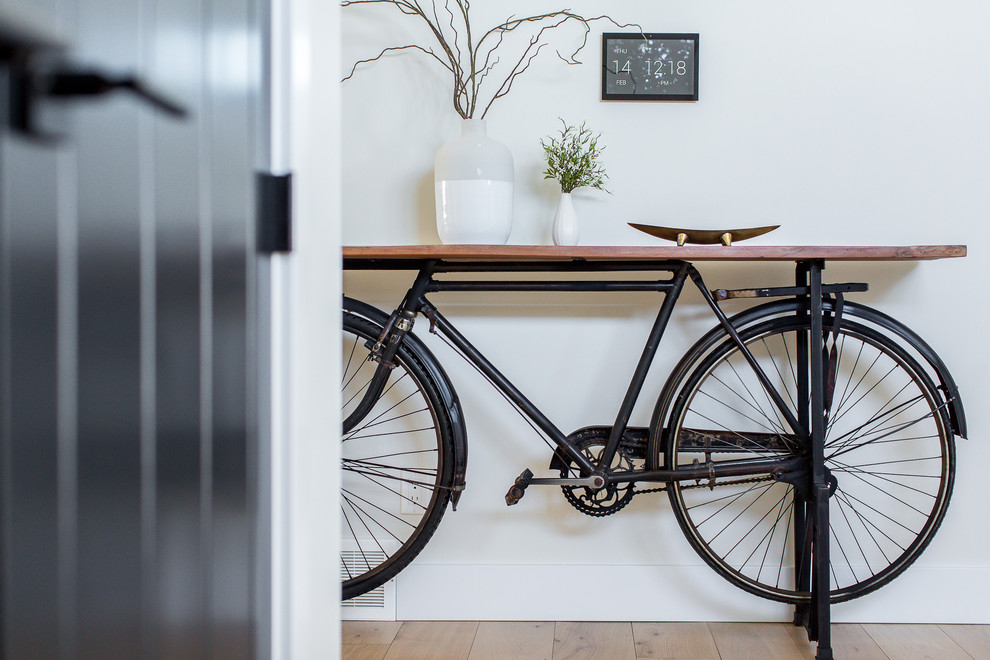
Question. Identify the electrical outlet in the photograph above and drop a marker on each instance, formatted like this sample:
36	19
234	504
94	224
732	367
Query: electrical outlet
414	498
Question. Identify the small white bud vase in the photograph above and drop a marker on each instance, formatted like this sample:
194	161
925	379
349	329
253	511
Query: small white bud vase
473	178
565	223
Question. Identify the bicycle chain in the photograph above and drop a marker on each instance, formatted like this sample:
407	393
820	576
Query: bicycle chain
595	511
663	488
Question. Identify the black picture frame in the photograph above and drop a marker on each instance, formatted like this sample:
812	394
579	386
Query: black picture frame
619	77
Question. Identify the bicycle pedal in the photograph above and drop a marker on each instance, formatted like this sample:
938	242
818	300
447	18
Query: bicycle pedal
518	489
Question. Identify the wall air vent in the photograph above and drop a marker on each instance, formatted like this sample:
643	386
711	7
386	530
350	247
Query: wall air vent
378	604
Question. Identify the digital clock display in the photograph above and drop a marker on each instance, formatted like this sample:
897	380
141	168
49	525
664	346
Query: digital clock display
649	67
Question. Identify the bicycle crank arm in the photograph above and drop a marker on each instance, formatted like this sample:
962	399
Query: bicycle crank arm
518	489
589	482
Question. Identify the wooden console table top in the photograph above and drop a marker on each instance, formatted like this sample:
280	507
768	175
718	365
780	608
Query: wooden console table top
405	256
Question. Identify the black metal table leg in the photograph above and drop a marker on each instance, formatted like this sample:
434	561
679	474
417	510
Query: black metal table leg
819	621
802	498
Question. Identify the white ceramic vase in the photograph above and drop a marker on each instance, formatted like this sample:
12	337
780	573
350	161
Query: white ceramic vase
565	223
473	179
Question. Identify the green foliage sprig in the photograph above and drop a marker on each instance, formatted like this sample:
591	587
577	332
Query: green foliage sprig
573	159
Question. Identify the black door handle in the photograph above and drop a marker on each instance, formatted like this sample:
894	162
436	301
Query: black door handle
33	68
69	84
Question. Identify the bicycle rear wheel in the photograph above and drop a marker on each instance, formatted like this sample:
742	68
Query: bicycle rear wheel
888	444
397	462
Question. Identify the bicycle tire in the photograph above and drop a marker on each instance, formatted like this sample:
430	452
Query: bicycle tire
397	462
732	521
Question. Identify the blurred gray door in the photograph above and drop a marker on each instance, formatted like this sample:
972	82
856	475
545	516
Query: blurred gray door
129	496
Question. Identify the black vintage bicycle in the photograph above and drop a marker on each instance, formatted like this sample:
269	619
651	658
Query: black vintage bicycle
806	444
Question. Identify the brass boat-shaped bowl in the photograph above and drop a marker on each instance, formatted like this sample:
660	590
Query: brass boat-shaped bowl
703	236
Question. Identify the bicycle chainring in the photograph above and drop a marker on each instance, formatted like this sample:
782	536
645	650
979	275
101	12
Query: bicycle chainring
610	499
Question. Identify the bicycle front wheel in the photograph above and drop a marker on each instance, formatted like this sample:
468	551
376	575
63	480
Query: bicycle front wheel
397	462
888	446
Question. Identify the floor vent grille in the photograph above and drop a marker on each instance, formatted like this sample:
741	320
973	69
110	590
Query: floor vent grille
379	603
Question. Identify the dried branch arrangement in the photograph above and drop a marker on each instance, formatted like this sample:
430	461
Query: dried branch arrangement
475	63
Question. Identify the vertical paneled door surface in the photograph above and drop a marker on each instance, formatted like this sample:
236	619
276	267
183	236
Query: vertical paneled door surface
131	516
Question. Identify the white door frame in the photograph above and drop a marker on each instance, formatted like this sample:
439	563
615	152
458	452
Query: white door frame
305	317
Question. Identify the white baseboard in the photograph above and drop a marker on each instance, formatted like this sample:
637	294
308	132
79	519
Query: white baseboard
664	593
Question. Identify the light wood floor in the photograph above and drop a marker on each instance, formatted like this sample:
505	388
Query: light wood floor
487	640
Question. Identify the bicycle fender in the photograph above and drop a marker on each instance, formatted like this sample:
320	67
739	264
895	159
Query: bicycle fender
445	390
954	405
957	415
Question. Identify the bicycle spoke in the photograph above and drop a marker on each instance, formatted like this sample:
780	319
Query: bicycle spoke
867	525
787	527
396	454
890	495
780	423
885	477
346	518
347	366
903	440
357	393
753	402
738	516
768	537
388	513
371	471
396	418
755	405
879	513
741	414
900	461
364	516
849	394
868	391
371	378
780	375
350	463
373	475
851	436
734	497
388	433
804	558
838	345
842	509
885	413
347	381
898	429
877	418
837	408
387	410
834	540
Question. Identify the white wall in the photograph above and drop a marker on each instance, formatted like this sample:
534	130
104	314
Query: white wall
845	122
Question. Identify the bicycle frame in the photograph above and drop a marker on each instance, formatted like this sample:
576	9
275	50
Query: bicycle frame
415	302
